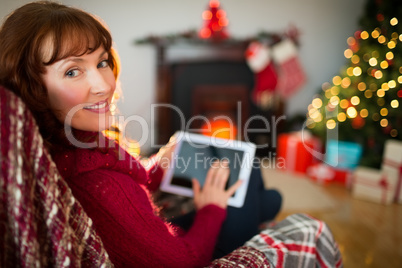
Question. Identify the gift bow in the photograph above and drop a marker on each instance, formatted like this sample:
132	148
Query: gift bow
383	182
322	172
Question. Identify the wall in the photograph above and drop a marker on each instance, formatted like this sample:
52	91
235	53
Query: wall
324	25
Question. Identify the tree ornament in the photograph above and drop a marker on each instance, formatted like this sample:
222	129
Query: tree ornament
371	142
354	47
387	129
380	17
358	122
358	34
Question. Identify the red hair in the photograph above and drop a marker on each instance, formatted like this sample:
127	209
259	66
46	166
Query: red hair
58	31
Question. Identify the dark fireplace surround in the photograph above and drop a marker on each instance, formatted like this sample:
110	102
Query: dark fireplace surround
210	79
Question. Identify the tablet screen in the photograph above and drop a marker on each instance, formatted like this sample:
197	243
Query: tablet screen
194	160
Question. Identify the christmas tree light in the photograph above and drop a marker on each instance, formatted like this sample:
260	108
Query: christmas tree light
366	94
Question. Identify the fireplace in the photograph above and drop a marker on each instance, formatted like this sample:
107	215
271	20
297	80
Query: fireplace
208	80
219	109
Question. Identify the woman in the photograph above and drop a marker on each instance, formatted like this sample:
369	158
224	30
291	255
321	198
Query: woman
60	61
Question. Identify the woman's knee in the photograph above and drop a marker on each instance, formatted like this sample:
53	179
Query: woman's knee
271	203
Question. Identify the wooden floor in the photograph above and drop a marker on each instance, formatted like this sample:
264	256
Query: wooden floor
368	234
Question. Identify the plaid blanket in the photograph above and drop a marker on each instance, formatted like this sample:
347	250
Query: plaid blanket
243	257
41	224
298	241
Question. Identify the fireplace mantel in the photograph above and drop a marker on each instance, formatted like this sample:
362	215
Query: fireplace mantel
188	52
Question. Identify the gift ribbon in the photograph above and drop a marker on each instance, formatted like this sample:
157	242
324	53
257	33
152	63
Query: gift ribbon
383	183
396	165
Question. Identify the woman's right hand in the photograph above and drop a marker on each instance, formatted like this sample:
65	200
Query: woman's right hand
213	191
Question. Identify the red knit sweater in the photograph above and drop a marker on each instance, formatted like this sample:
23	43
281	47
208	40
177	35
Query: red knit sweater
113	192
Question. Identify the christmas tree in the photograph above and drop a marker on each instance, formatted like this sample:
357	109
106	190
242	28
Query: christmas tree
363	102
215	22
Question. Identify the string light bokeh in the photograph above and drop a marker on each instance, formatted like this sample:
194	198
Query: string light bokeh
366	94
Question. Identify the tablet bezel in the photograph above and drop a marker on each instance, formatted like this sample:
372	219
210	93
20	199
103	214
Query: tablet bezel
247	148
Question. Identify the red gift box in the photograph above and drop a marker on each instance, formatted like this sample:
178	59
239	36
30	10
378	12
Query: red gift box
325	174
294	151
343	176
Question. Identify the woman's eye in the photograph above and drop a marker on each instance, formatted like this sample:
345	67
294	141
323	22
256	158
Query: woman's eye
103	64
72	73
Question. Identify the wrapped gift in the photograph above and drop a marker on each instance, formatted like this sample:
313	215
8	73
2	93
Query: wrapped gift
373	185
343	177
294	150
343	154
321	173
324	174
392	165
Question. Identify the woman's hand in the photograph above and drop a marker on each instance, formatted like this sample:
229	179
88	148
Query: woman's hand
213	191
163	158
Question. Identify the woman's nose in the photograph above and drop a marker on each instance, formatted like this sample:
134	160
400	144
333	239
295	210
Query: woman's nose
100	82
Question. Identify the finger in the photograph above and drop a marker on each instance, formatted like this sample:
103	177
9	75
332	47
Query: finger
232	189
209	180
172	139
196	188
216	166
170	146
222	176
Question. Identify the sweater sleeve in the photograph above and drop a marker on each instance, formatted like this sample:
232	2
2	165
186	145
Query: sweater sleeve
154	172
132	234
155	175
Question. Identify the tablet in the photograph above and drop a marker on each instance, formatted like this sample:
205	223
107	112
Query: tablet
193	156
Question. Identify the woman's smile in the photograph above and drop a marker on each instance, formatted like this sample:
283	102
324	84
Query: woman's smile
100	107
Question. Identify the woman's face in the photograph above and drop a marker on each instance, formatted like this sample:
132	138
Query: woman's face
80	90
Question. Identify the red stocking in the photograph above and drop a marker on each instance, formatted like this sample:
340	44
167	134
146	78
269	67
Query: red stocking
258	57
291	75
